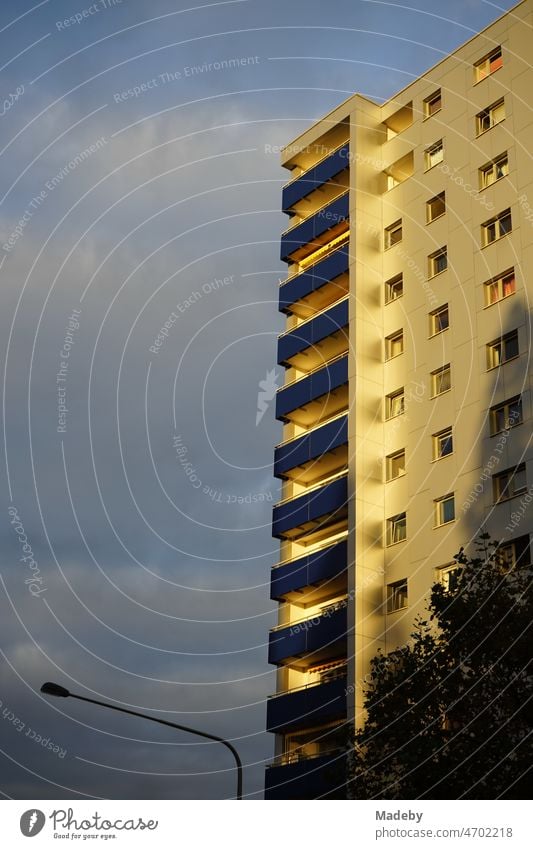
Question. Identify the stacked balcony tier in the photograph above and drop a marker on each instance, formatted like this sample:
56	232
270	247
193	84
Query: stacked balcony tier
312	578
315	177
318	395
323	702
309	778
319	638
300	241
321	283
317	340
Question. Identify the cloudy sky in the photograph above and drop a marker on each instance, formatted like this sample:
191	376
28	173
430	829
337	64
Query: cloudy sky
139	261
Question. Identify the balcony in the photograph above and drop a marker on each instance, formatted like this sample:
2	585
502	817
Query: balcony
318	286
317	340
316	396
315	454
312	578
315	177
315	231
308	778
306	706
314	514
307	642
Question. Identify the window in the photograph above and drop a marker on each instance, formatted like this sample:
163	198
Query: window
395	465
515	553
496	228
397	595
395	404
394	345
490	116
500	287
393	234
502	350
509	483
506	415
494	170
433	155
449	576
439	320
490	63
433	104
442	443
444	510
438	261
435	207
394	288
441	381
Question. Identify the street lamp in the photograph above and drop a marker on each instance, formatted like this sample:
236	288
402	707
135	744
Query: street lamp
51	689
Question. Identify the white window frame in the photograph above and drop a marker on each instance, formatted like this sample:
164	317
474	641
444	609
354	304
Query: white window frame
439	440
392	342
440	202
494	225
391	234
504	485
433	316
397	596
391	459
429	101
389	287
396	529
505	410
439	507
490	117
433	155
391	401
495	170
435	380
433	269
482	68
497	285
497	350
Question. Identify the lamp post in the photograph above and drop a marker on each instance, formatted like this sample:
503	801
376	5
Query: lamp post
51	689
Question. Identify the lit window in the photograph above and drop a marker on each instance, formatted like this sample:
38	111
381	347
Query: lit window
393	234
441	381
500	287
395	465
435	207
396	529
506	415
394	345
494	170
433	104
442	443
490	116
502	350
509	483
496	228
393	288
439	320
434	154
449	576
395	404
444	510
490	63
438	261
397	595
514	553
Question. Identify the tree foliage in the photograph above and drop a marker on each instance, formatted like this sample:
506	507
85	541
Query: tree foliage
449	714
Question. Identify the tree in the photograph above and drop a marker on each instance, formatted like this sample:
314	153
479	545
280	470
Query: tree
449	714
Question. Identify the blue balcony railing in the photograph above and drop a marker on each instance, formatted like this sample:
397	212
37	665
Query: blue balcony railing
318	508
325	565
323	634
309	446
314	226
308	778
315	177
312	386
325	271
313	331
313	705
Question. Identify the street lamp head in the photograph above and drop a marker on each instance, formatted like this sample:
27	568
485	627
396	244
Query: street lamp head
52	689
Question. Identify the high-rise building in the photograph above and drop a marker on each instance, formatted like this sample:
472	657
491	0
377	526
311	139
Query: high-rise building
406	405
